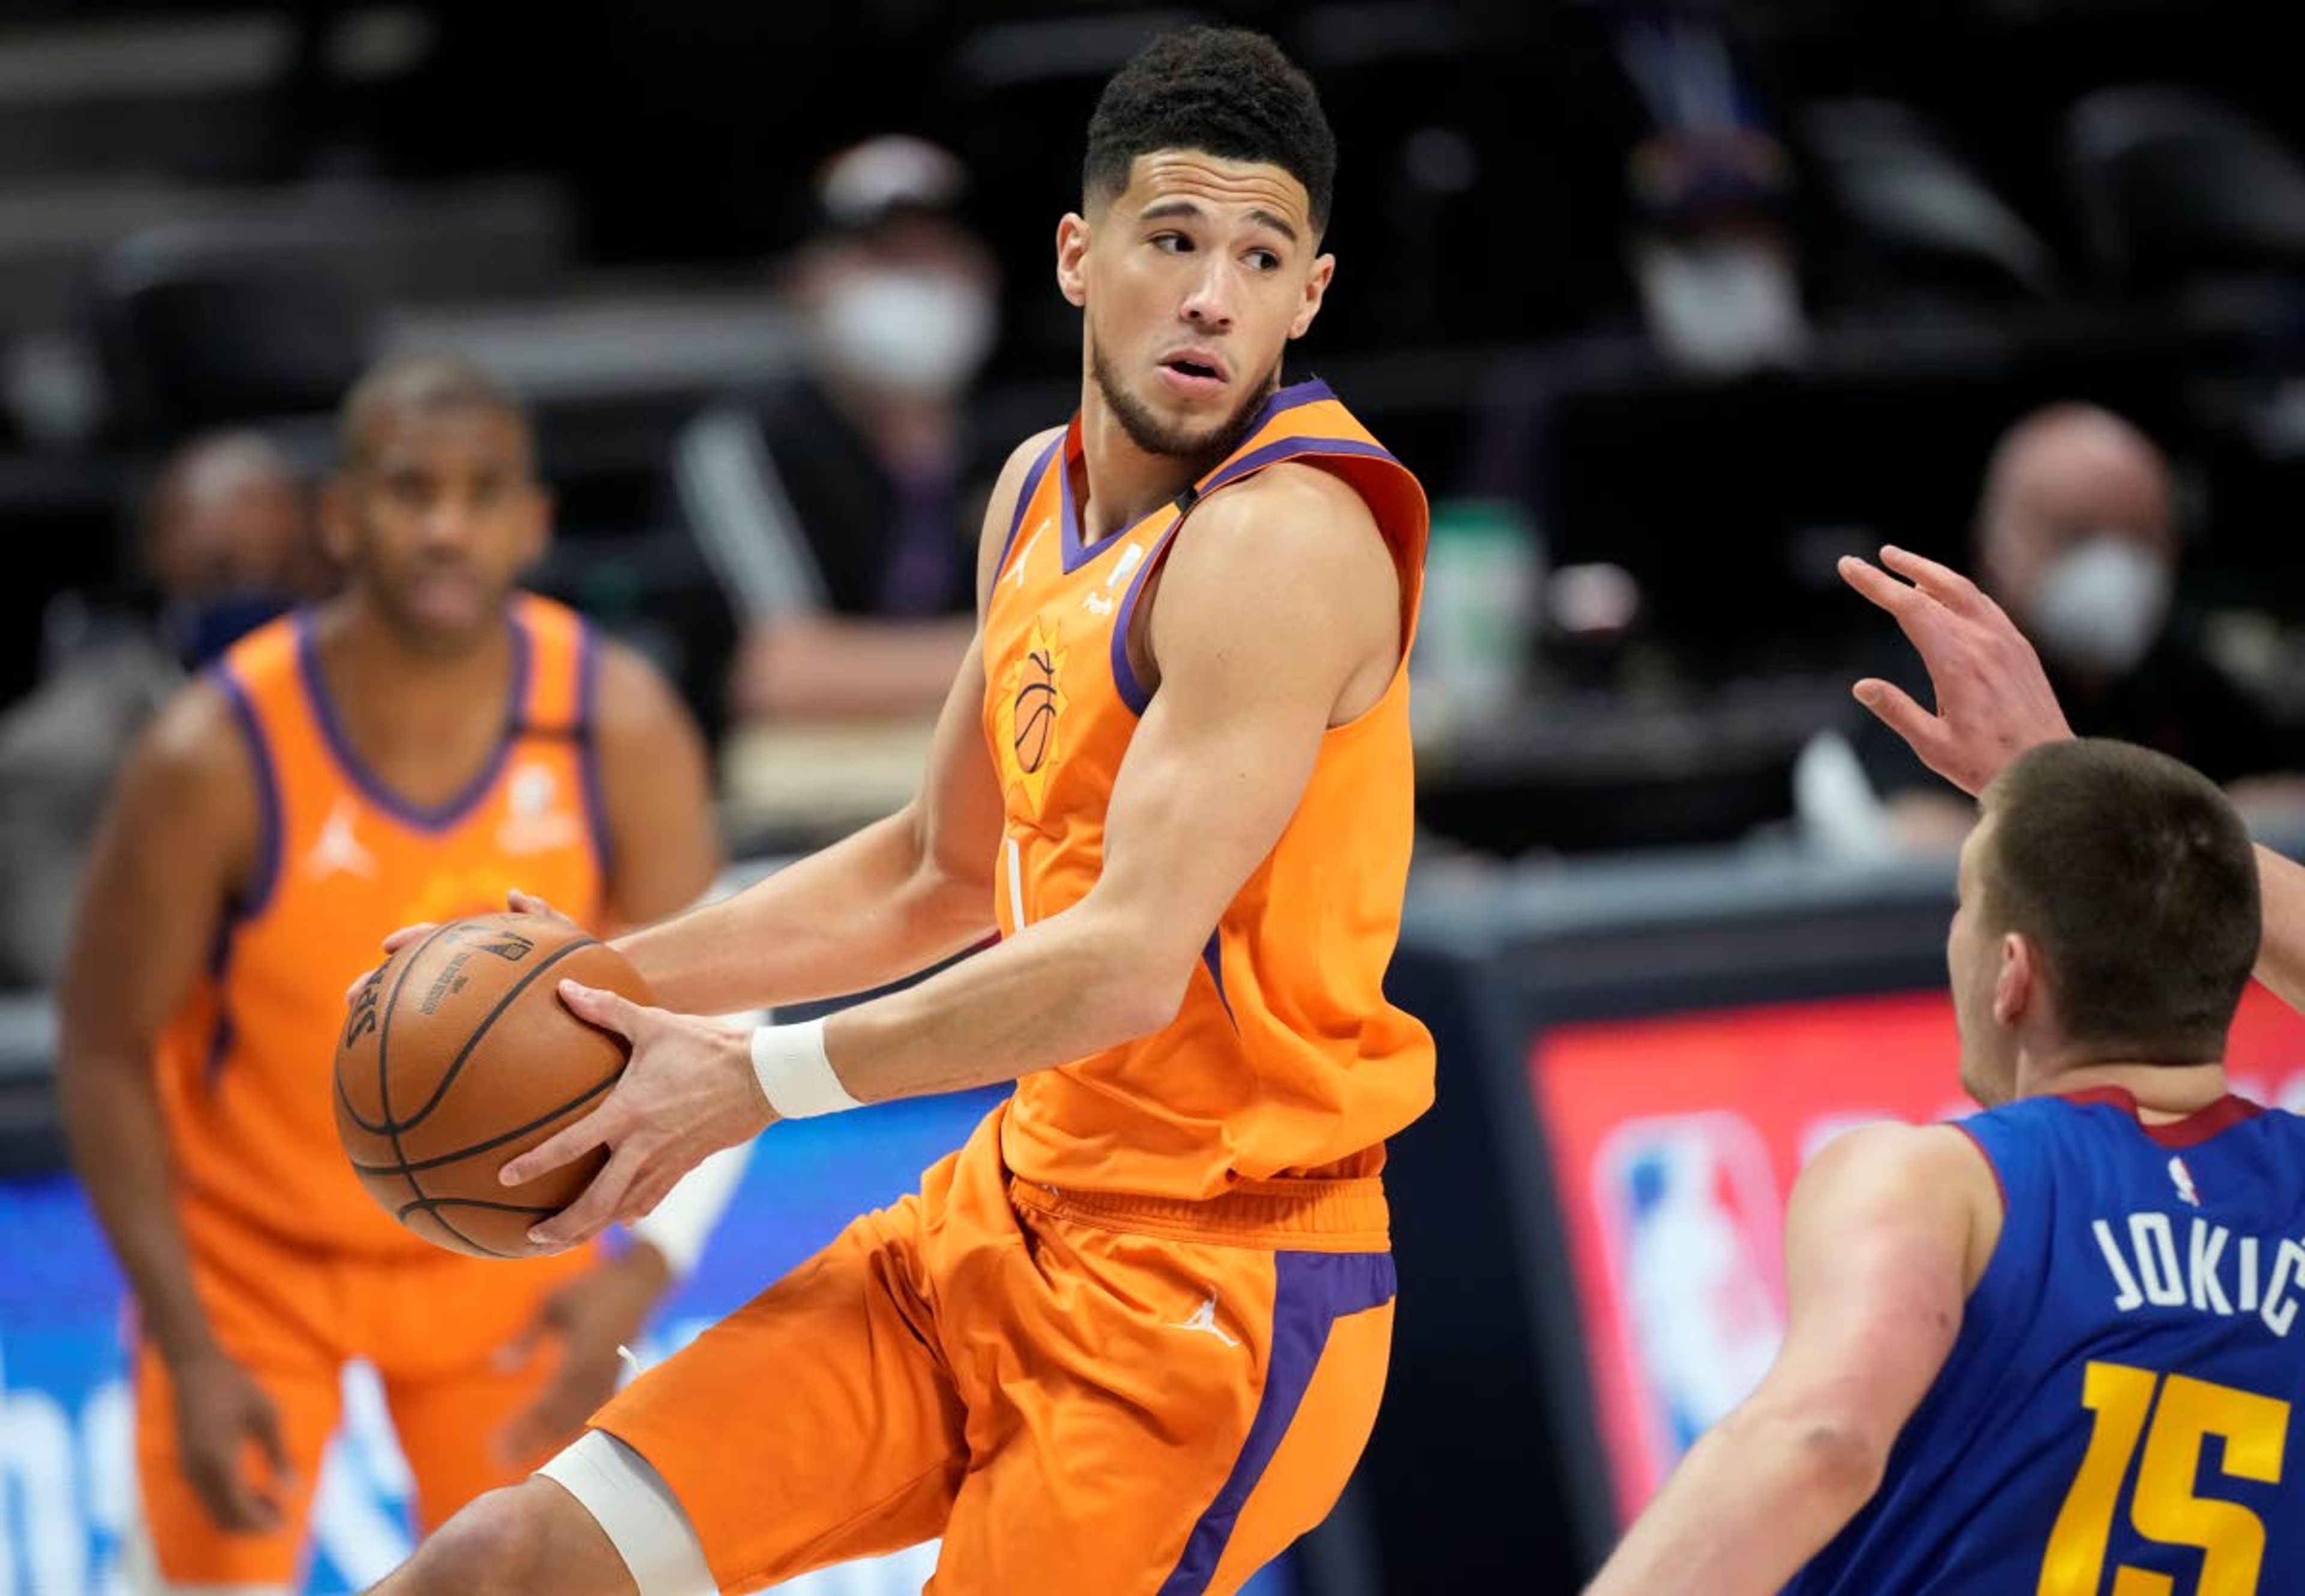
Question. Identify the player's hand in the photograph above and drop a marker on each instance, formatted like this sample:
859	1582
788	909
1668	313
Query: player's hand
591	1319
688	1092
1993	699
221	1413
516	901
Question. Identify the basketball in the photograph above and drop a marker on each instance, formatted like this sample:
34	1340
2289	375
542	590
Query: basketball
457	1056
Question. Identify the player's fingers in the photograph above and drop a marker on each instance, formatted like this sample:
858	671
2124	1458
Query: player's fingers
361	981
565	1146
607	1010
1877	585
528	903
1942	582
1896	710
410	933
264	1424
590	1213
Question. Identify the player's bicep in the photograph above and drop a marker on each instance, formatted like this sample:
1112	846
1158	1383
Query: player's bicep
1877	1240
656	786
957	817
177	840
1257	631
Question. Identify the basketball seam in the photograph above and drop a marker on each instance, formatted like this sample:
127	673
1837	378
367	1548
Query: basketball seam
384	1085
437	1160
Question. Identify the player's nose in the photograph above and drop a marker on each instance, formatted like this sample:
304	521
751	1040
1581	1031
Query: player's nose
1209	304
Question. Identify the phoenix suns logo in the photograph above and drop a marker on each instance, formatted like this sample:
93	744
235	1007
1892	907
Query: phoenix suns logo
1030	703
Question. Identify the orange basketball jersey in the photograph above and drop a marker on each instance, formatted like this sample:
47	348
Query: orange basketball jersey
246	1067
1286	1057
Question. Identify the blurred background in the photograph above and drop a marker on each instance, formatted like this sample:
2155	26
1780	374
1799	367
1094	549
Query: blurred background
1670	304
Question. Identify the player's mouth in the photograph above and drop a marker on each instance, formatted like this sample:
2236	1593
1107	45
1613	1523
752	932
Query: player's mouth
1193	373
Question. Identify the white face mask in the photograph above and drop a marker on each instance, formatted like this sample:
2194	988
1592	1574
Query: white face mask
1720	305
2101	604
922	332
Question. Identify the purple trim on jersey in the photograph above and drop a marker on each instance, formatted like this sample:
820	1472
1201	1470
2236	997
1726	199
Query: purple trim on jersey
1025	497
587	731
1133	692
1212	958
257	893
1311	1292
437	817
1287	447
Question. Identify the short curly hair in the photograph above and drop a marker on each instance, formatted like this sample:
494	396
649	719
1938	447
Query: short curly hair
1228	91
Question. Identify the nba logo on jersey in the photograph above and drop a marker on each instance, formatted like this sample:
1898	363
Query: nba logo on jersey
2183	1179
1689	1217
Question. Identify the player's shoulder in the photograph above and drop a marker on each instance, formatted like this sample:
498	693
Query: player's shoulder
1889	1157
631	695
196	751
1291	522
1016	476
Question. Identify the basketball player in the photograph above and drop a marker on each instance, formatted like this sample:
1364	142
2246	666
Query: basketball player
410	748
1131	1338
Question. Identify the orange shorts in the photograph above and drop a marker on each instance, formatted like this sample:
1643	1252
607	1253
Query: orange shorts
1078	1393
431	1322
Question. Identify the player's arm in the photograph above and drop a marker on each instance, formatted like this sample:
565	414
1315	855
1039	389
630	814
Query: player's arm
897	896
1994	702
655	785
179	835
1886	1233
1281	609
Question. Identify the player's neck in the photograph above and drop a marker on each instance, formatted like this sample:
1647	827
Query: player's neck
2163	1092
1121	483
360	648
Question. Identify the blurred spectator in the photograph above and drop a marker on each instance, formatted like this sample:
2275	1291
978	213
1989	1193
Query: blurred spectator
2077	538
838	504
225	543
1711	251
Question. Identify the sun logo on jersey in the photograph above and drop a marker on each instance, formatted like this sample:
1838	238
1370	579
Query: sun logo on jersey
1030	702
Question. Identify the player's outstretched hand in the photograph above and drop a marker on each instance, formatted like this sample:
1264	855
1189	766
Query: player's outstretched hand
688	1092
516	901
1993	700
221	1412
587	1322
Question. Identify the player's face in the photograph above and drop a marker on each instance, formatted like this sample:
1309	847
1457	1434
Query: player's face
435	521
1193	280
1988	1057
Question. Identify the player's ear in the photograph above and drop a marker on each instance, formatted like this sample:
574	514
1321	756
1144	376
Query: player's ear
538	533
1316	288
1072	252
2015	987
335	515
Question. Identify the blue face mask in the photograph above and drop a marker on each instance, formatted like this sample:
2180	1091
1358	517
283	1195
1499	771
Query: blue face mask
200	631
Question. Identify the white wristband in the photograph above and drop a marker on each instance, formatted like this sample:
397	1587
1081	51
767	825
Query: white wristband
793	1072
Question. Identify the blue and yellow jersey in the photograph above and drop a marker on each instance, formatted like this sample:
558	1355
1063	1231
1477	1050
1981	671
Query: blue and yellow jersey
2117	1417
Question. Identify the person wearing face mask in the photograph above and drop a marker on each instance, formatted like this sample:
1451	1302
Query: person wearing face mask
834	503
2077	538
225	542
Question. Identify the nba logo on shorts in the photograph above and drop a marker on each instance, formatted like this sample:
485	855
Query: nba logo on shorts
1690	1212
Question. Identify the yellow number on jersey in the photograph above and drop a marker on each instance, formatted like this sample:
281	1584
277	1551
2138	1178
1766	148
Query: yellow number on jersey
2255	1431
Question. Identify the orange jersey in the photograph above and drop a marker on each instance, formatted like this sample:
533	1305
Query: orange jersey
1286	1057
245	1067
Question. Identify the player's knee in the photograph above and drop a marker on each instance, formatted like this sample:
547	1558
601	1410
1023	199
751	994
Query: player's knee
499	1544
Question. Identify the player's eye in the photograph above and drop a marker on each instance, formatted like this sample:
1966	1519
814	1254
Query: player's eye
1264	260
1172	243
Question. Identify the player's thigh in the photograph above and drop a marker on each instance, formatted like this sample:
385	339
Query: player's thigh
448	1425
187	1546
816	1423
1189	1411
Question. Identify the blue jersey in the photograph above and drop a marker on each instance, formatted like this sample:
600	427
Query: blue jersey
2118	1405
